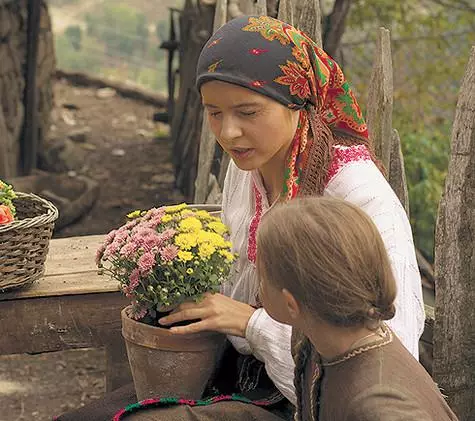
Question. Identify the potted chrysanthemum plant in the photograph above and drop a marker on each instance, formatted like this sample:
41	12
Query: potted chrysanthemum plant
161	258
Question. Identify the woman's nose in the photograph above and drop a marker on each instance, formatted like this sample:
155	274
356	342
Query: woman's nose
230	129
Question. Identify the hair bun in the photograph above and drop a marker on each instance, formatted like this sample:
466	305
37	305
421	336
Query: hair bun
382	312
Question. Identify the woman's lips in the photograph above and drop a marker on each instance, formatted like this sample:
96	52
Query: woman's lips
242	153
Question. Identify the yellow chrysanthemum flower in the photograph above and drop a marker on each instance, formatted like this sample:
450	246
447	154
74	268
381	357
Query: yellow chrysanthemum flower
190	225
175	208
227	255
186	241
185	256
134	214
203	215
218	227
166	218
212	238
206	250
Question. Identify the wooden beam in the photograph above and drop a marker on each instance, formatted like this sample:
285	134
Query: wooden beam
380	98
397	173
454	331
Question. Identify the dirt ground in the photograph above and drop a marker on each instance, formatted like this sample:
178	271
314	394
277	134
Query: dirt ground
134	170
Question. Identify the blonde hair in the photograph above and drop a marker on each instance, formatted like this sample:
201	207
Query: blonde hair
329	254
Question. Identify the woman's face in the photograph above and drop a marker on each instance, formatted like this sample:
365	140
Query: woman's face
253	129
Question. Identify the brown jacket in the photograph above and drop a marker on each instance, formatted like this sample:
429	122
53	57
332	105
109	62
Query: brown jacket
379	381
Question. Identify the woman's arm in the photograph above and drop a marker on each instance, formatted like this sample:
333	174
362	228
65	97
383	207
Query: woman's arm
361	183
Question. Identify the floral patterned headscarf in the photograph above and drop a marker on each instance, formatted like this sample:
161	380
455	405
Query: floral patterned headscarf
277	60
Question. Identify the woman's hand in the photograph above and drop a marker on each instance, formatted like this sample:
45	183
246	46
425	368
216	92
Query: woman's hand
216	313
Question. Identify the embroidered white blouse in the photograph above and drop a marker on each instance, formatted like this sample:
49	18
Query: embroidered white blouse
355	178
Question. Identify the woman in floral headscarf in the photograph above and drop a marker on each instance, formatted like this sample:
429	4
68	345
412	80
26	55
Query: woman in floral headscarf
283	110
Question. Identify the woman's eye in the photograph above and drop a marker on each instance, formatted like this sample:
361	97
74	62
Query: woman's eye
214	113
248	113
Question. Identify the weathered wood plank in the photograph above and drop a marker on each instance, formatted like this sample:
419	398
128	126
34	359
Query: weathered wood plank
454	338
260	7
309	19
57	323
286	11
69	269
397	173
380	98
72	254
208	141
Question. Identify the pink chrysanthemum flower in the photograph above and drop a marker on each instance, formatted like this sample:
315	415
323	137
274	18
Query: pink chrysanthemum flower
167	234
146	263
121	237
134	279
110	250
128	250
137	312
110	237
168	253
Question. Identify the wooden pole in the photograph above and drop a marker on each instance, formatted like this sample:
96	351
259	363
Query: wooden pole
380	99
454	333
29	150
397	174
286	11
207	141
309	19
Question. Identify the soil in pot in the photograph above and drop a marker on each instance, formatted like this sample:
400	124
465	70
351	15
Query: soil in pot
169	365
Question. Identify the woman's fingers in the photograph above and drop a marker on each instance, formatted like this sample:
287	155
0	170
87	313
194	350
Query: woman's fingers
193	327
191	313
215	312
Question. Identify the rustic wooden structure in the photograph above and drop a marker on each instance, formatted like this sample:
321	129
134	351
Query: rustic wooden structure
380	98
454	342
71	307
28	61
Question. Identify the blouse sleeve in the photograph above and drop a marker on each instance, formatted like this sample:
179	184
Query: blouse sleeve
270	342
361	183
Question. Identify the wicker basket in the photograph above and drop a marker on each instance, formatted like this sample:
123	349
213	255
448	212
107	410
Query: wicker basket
24	242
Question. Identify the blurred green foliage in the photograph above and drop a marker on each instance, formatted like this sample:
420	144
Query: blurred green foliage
430	48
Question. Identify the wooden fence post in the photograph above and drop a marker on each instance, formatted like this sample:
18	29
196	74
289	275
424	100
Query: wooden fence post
207	141
396	172
286	11
308	18
380	99
454	333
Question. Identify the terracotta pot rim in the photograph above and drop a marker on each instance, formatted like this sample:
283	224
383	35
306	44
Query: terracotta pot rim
160	338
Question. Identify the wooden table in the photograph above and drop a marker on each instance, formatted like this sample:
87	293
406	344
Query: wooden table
71	307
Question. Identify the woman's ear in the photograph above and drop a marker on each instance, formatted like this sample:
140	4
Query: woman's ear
293	307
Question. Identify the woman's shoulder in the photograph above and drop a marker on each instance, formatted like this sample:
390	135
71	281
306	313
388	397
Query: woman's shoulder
347	156
353	172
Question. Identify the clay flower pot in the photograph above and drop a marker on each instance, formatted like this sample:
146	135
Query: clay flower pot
170	365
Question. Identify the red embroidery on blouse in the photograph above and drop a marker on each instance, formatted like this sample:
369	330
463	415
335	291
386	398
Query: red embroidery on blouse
344	155
257	51
252	242
258	83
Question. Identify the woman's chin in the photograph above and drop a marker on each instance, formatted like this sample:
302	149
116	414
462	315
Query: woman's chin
245	165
